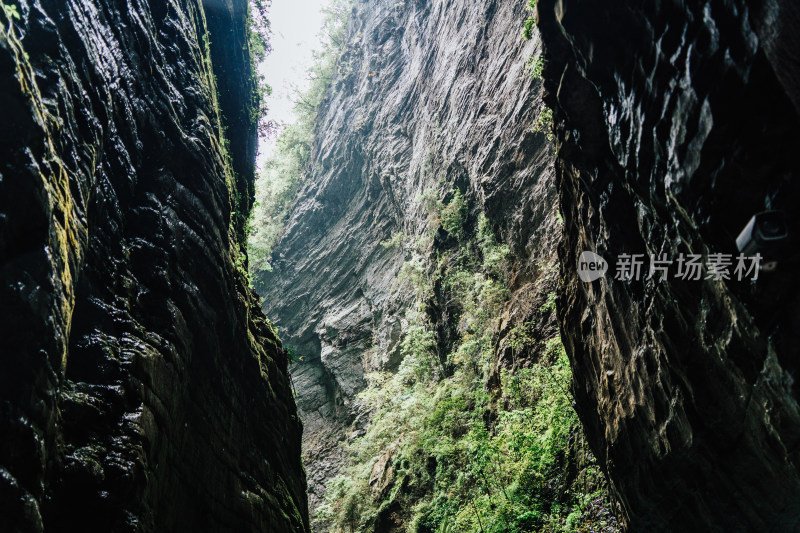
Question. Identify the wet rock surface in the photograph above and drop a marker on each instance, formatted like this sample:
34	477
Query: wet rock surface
141	387
676	124
430	96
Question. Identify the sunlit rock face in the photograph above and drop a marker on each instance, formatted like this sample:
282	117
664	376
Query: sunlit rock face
675	125
141	388
429	96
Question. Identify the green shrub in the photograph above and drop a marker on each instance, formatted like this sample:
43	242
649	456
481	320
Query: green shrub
544	123
530	23
454	216
535	67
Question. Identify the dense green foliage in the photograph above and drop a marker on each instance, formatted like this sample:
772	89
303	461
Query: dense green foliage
284	171
461	460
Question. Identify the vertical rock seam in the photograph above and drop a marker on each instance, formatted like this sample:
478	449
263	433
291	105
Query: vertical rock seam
675	124
141	387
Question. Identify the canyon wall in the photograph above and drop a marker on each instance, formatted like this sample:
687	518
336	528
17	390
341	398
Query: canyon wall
675	124
430	97
141	387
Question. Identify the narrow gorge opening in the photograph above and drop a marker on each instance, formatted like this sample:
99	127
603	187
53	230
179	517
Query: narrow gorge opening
417	303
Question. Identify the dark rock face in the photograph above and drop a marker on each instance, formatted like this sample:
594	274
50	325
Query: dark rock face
141	387
429	96
675	124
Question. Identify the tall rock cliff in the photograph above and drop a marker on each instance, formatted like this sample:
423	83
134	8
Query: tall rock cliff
430	98
676	123
141	387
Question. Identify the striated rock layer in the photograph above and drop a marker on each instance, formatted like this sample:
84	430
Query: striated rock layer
141	388
429	97
675	124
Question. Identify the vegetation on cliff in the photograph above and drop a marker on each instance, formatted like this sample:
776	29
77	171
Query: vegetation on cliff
445	450
282	175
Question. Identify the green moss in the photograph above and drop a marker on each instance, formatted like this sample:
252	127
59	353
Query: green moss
67	231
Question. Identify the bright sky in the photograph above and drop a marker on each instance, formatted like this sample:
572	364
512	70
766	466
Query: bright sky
295	28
